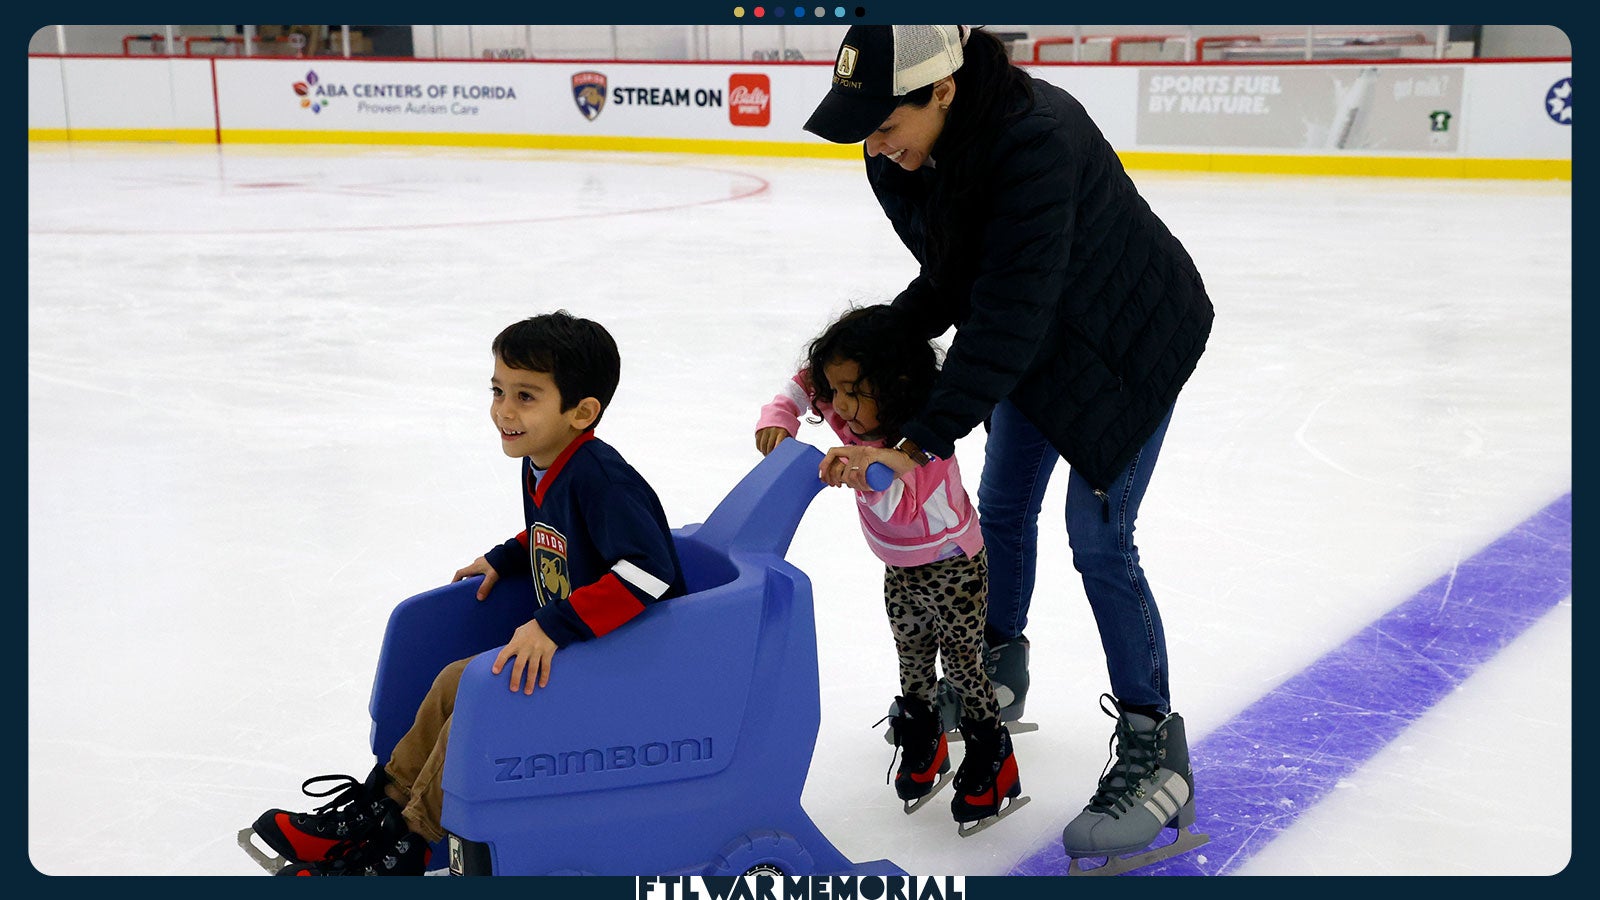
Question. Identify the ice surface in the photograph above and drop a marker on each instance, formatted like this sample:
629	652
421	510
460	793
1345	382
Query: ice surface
257	419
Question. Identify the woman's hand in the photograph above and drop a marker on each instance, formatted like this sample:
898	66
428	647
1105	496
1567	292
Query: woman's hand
847	466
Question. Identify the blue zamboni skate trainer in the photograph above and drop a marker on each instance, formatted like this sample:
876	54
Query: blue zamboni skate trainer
676	745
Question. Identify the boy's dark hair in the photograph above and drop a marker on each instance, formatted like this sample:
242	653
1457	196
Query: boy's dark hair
890	353
579	355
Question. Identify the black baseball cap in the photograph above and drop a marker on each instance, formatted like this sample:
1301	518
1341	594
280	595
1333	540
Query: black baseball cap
876	66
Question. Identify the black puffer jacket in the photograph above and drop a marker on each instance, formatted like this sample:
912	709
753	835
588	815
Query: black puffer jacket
1068	294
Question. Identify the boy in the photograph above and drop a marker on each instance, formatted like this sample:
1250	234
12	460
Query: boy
597	546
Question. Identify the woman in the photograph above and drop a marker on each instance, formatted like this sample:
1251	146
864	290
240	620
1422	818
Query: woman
1078	318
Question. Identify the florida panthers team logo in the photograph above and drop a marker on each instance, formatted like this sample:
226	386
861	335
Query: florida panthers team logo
589	92
550	576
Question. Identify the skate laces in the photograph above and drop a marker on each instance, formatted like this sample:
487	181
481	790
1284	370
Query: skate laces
895	733
368	855
1133	757
979	764
908	730
363	852
347	854
350	815
346	789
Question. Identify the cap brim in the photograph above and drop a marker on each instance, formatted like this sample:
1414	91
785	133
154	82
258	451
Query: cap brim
849	118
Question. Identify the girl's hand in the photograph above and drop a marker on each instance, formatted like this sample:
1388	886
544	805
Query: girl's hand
847	466
768	439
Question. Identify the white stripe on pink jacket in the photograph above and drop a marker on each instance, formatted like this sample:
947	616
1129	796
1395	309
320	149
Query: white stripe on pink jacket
917	518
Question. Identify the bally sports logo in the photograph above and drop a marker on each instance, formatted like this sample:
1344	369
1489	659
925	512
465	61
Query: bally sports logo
749	100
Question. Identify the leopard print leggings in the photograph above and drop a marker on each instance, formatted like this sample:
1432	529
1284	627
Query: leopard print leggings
936	612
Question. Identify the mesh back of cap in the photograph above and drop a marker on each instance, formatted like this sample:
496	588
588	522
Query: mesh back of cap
924	54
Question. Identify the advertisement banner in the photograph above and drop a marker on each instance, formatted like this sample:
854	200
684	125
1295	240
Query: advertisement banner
1333	114
580	99
1392	108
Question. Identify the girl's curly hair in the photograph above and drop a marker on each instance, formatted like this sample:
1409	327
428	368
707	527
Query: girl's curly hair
892	356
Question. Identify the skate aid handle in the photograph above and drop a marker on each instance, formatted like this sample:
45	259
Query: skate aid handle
879	476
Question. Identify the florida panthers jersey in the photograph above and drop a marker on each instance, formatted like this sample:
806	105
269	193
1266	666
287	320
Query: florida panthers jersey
597	544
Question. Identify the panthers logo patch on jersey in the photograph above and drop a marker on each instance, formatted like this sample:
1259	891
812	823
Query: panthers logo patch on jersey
550	577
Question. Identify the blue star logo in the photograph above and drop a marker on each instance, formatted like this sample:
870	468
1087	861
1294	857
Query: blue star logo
1558	101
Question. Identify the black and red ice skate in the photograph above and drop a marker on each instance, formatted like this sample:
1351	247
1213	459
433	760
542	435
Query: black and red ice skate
988	787
354	811
389	847
924	752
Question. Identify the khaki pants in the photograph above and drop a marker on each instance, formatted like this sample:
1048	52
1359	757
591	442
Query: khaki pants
417	764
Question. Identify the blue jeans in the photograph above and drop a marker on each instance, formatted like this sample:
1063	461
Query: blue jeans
1016	470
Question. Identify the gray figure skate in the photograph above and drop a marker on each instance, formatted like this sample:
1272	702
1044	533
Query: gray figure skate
1147	788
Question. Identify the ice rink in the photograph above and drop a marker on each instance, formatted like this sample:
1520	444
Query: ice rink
258	419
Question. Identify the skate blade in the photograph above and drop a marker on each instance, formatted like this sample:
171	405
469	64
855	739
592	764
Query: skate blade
1015	728
1116	865
914	805
271	863
968	829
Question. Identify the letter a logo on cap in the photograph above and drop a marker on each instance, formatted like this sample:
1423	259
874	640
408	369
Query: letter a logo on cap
847	61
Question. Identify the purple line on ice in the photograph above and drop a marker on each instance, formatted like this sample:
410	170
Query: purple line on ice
1255	775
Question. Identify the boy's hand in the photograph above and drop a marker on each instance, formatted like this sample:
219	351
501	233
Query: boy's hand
533	650
479	566
768	439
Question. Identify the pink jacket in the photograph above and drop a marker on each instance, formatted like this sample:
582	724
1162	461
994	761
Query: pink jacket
918	518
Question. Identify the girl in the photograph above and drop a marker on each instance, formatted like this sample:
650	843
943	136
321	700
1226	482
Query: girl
865	376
